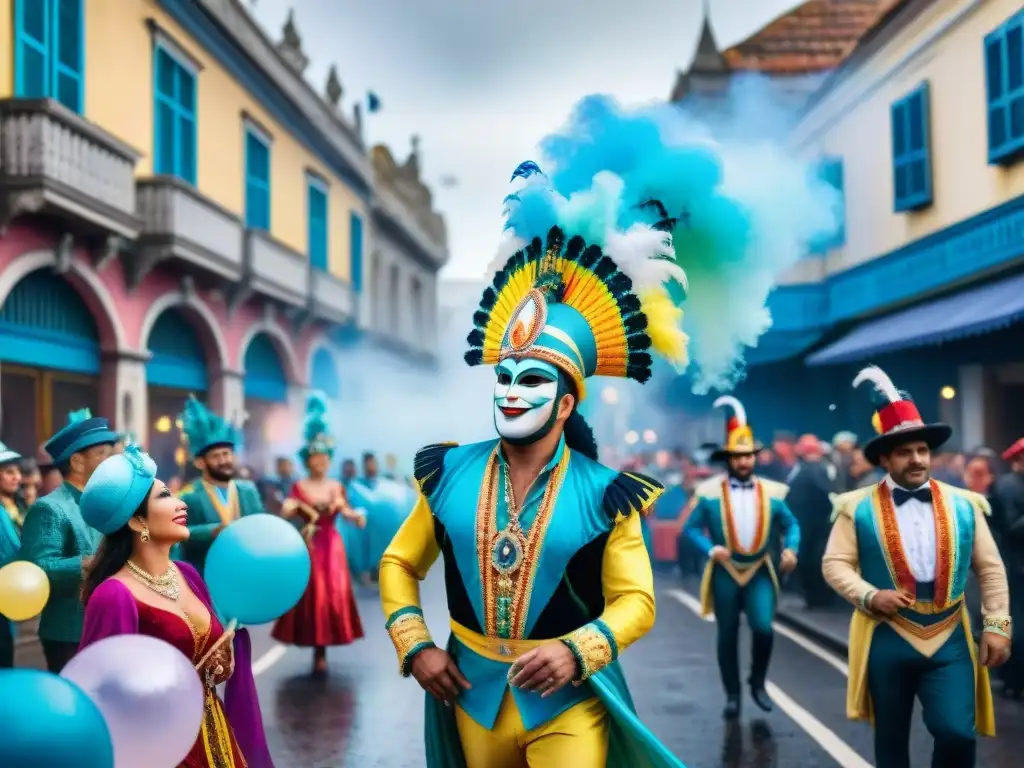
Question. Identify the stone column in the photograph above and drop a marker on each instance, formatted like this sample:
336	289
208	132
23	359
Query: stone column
124	394
227	395
972	406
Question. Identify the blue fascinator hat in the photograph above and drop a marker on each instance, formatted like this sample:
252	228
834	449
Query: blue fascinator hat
117	488
316	432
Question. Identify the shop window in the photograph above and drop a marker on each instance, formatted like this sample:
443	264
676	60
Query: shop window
911	151
49	50
1004	75
175	124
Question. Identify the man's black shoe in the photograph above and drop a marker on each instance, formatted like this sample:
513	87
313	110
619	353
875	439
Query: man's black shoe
762	699
732	708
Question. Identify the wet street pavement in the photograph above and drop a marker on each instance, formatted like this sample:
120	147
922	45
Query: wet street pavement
363	715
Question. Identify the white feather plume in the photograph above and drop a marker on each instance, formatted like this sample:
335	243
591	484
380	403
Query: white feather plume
737	408
881	381
645	256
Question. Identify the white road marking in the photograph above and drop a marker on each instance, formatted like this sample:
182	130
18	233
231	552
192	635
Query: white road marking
838	749
268	659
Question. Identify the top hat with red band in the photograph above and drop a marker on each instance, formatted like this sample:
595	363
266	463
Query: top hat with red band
739	438
897	421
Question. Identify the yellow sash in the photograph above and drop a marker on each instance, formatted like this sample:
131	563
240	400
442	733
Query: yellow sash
227	513
858	699
493	648
741	573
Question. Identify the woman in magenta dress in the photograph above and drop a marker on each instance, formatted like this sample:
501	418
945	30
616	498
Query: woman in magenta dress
327	613
133	587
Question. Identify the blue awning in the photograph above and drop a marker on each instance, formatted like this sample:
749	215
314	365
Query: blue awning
775	346
980	310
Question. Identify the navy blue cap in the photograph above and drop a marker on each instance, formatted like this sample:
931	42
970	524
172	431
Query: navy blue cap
79	436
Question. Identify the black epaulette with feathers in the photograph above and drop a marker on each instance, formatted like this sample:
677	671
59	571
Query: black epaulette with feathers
428	466
630	492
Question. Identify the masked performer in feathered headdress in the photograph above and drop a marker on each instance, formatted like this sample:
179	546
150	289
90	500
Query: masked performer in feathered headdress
327	613
216	499
548	579
900	551
734	521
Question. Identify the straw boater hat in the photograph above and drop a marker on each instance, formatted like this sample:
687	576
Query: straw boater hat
739	438
897	420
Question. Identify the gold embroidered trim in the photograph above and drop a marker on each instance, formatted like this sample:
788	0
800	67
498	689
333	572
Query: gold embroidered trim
408	632
922	632
592	650
227	514
486	531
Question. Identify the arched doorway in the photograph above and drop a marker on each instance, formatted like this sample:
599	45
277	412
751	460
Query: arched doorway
270	427
176	369
50	356
323	375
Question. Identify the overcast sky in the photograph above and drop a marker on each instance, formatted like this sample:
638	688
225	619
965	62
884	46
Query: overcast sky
483	82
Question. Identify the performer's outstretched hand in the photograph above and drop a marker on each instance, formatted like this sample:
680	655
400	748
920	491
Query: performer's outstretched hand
995	650
438	675
545	669
719	554
788	562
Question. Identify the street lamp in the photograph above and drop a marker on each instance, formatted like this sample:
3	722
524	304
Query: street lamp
650	436
632	438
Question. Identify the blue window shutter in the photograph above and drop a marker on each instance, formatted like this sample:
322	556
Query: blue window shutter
178	360
265	378
49	50
257	181
317	225
174	140
324	374
911	151
1004	75
356	238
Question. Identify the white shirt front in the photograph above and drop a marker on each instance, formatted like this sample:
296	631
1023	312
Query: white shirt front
745	514
916	522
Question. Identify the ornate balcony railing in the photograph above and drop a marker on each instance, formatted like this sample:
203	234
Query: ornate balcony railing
54	161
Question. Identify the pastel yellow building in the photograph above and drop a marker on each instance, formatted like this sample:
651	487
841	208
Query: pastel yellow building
914	111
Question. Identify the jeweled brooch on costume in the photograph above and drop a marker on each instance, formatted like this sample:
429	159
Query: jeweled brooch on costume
507	552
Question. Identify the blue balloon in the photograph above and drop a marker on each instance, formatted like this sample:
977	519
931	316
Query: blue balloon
49	722
257	569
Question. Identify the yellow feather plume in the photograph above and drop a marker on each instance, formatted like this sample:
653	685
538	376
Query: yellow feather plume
663	327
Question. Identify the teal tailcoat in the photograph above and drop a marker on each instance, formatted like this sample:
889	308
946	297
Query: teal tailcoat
203	519
56	538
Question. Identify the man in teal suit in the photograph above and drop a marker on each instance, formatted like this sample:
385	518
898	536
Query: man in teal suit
216	499
55	536
733	523
11	518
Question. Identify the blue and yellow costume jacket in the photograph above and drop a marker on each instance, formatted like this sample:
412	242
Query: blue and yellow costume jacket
208	510
865	554
585	579
712	512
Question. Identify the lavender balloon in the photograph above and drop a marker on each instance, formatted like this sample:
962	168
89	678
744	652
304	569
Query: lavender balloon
149	694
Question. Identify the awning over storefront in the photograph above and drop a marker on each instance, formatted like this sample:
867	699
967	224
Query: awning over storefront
983	309
775	346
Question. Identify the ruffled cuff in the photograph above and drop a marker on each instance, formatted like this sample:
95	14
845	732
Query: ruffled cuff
594	647
409	633
999	625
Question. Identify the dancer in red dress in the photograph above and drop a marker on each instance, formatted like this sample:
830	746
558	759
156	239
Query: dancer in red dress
327	613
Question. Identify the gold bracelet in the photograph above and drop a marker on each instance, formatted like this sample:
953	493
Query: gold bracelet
1000	625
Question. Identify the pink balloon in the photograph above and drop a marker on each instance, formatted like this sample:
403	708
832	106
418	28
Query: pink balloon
149	693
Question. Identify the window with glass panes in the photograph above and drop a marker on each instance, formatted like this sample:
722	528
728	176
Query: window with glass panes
175	124
49	50
257	180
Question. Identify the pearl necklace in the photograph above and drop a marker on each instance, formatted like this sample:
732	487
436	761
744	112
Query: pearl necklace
165	585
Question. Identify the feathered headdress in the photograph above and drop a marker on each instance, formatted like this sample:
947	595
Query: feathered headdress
574	305
316	432
203	429
896	419
739	437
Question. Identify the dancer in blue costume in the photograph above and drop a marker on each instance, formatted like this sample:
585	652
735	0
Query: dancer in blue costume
548	579
900	551
742	514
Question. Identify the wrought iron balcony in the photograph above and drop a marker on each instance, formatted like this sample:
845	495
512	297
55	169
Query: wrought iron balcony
53	161
332	299
180	223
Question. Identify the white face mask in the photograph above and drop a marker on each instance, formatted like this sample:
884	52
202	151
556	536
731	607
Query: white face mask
524	399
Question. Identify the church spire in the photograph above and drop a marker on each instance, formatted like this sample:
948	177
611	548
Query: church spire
708	59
